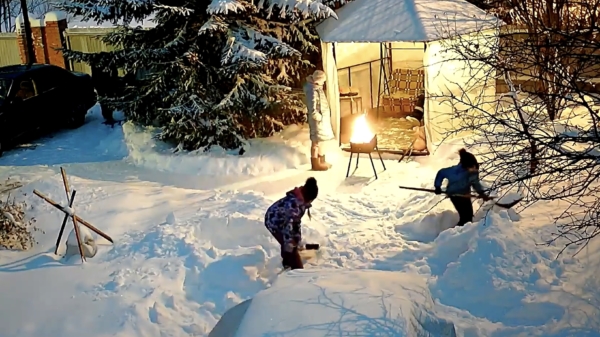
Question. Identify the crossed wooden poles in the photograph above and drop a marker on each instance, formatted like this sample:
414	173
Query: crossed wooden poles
69	214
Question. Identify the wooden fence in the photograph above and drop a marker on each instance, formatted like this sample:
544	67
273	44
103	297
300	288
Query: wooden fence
9	49
87	40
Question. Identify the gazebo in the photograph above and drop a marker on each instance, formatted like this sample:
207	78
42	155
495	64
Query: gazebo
381	55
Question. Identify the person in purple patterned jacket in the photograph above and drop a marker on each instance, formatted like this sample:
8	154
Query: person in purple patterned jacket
283	220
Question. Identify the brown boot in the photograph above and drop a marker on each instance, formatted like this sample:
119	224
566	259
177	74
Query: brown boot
323	162
316	165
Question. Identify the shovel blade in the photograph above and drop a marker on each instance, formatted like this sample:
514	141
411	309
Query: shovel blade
508	205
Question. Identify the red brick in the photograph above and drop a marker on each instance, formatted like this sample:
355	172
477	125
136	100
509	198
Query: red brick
46	40
22	48
39	44
55	39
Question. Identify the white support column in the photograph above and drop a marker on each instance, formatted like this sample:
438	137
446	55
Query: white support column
333	91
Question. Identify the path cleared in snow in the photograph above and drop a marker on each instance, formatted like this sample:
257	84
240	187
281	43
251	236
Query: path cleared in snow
187	247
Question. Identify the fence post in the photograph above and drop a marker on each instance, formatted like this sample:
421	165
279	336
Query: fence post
36	35
56	24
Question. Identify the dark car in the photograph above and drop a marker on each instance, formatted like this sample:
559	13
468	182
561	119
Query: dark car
41	98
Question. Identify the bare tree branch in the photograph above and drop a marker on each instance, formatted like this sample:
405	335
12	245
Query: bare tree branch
11	9
540	136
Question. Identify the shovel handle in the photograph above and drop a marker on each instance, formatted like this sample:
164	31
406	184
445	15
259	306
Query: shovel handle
506	206
429	190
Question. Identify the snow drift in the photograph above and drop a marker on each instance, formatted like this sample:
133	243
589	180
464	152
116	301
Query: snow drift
311	303
288	149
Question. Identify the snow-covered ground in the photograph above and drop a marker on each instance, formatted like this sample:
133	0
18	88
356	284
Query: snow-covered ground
190	243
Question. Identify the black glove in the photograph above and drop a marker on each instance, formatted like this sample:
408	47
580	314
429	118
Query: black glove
438	191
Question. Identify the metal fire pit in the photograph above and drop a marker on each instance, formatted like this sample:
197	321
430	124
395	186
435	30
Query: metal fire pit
366	148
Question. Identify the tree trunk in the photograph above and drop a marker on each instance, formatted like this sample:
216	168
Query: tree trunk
533	159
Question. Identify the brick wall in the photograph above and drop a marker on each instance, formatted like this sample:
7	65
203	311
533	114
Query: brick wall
39	43
55	39
48	36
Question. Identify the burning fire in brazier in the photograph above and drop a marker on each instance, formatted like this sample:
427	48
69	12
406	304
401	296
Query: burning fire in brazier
363	140
361	133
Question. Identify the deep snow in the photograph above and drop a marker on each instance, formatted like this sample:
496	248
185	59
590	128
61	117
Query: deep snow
190	241
318	302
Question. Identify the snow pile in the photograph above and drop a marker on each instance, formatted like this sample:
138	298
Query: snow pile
508	278
287	149
490	206
84	233
427	227
315	302
88	244
493	277
510	266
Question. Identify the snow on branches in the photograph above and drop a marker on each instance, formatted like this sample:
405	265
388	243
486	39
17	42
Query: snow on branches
114	11
214	78
225	7
302	8
249	45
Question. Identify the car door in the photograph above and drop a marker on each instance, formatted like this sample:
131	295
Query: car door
62	91
10	121
66	91
18	118
49	101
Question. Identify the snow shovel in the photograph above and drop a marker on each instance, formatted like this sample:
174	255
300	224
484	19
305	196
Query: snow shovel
473	196
305	258
310	246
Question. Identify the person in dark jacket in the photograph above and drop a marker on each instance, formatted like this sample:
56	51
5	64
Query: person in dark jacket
461	178
283	220
104	83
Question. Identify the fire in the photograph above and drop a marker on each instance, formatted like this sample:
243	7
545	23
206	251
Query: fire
361	133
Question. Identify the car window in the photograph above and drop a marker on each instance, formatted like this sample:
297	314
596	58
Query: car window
50	78
4	87
24	89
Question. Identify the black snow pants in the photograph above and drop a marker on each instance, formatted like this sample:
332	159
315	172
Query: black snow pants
464	207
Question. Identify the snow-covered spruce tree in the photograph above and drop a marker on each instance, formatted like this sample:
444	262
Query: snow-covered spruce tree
217	72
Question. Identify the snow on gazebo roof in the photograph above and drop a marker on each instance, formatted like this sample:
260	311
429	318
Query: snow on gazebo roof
404	21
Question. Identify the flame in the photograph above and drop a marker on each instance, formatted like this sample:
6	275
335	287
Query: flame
361	133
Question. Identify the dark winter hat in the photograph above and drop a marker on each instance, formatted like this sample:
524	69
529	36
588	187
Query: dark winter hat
310	190
467	159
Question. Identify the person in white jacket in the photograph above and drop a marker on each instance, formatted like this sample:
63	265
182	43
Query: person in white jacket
319	119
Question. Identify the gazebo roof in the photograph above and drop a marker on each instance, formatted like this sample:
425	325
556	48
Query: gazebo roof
404	21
